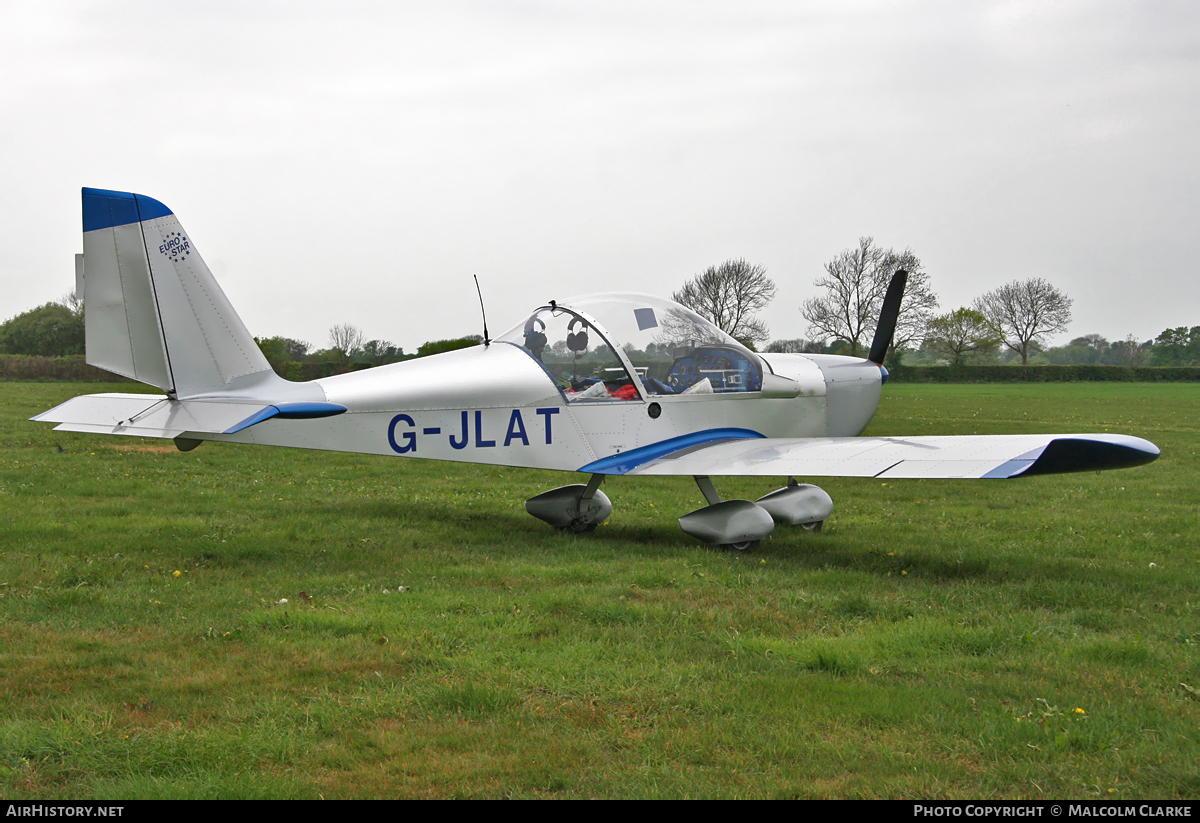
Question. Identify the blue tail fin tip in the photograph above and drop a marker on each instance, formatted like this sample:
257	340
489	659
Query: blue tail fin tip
103	209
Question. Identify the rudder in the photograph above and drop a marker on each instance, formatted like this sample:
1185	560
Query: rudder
152	309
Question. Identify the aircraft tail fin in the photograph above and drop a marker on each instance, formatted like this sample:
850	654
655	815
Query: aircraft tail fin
152	309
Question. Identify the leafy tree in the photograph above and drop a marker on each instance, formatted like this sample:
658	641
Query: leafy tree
296	350
441	346
51	330
1074	355
963	334
1177	347
1089	350
1026	312
282	349
855	283
1095	342
729	295
380	352
272	349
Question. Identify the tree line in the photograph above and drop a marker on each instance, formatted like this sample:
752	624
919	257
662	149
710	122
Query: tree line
348	346
1010	323
56	329
1013	322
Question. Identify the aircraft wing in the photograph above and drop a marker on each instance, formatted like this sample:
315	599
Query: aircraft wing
984	456
154	415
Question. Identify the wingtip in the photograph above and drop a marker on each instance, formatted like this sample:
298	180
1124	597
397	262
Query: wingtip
1093	452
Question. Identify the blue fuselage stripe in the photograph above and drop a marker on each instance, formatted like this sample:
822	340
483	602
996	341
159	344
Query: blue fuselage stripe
296	410
627	461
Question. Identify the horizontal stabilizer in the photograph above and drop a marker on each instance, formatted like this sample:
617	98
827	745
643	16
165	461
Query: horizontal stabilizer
149	415
984	456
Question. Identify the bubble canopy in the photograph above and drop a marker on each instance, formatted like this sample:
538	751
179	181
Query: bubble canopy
595	345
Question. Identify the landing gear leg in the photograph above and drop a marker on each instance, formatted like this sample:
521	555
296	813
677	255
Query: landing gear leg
708	489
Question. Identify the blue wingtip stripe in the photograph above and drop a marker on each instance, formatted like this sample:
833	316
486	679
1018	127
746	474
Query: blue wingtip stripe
1094	452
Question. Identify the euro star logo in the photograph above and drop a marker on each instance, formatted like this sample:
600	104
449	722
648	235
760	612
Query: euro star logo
175	246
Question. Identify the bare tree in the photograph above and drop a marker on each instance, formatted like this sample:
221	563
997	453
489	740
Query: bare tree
796	345
855	282
684	327
963	334
345	338
1026	312
729	295
73	301
1130	352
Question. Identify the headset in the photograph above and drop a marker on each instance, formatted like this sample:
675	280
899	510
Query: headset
577	340
535	339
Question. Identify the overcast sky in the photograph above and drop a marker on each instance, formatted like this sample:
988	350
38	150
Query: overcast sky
358	162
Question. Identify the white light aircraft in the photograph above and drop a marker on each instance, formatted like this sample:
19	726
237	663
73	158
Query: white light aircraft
614	384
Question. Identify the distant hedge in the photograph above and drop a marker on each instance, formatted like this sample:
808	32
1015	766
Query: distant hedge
68	368
72	368
300	372
1043	374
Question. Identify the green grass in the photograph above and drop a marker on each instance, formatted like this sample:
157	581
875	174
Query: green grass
934	641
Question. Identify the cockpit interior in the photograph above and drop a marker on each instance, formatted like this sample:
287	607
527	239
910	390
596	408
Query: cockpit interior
628	346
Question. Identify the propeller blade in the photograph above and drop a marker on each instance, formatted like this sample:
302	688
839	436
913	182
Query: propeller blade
888	317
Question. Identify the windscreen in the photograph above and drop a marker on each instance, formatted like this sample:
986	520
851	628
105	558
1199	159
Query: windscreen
673	349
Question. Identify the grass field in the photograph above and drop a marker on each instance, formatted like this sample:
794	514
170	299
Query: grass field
246	622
